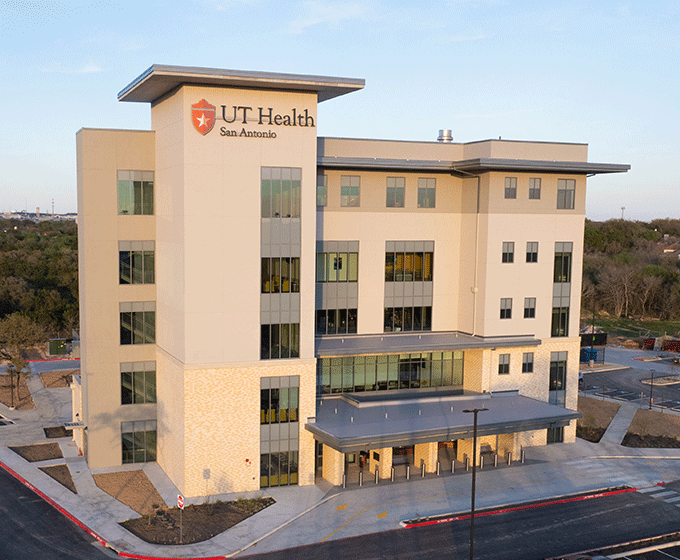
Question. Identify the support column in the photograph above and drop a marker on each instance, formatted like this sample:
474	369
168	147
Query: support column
427	453
333	465
384	463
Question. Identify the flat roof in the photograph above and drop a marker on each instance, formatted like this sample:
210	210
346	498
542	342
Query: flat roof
160	79
425	341
349	424
475	166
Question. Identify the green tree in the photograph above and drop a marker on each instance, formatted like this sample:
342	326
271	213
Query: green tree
17	333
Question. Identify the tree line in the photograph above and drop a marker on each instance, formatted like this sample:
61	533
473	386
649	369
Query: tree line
632	269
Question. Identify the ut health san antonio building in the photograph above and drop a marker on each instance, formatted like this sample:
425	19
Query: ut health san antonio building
261	306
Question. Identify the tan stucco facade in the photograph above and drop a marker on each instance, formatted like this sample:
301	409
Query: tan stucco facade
207	230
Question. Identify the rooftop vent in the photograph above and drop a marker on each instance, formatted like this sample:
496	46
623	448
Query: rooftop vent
445	136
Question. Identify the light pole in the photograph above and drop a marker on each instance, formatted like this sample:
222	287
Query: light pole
651	390
474	478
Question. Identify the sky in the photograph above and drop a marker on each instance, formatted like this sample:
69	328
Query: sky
599	72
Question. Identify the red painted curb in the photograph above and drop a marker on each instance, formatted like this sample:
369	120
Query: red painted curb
519	508
126	555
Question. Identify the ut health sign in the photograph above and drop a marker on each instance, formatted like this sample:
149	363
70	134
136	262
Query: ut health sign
204	115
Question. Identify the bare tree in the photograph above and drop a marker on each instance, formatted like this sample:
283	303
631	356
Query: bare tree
17	332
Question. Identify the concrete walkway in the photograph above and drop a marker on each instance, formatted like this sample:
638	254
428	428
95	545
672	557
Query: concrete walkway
311	514
619	425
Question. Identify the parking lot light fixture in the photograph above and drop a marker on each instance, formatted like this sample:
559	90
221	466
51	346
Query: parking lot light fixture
651	390
474	411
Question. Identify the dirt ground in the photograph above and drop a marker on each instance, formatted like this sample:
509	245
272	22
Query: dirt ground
199	522
650	428
57	432
62	475
133	488
25	400
597	415
38	452
56	379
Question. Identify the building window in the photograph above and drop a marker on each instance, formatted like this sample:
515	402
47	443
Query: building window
135	193
566	189
555	435
336	321
279	405
278	469
506	308
138	322
280	341
136	262
511	187
503	364
560	321
532	251
354	374
508	255
534	189
399	319
138	441
337	267
529	307
137	382
280	192
558	378
321	190
427	192
562	272
350	191
527	362
409	267
280	275
395	192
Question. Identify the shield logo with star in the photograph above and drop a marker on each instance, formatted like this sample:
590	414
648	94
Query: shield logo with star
203	116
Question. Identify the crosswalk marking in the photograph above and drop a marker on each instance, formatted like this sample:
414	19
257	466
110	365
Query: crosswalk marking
672	500
645	490
664	494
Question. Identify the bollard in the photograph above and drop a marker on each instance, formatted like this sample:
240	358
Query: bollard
408	471
361	478
453	466
377	474
422	469
481	462
438	467
344	480
392	474
467	463
509	457
521	456
495	459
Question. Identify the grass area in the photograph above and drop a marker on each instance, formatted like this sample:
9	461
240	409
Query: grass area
620	326
597	415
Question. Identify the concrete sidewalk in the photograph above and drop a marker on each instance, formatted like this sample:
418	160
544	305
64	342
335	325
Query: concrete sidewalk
618	427
310	514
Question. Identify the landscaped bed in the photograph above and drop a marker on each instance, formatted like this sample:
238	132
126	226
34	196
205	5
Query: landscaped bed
650	428
23	401
199	522
597	415
38	452
57	379
62	475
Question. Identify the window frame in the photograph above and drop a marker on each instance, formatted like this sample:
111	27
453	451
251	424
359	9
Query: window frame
135	192
427	192
527	362
321	190
532	252
508	252
503	364
506	308
530	308
566	194
535	188
395	192
510	188
350	191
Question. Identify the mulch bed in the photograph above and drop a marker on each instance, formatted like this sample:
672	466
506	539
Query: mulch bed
24	400
38	452
57	432
62	475
57	379
593	435
199	522
637	440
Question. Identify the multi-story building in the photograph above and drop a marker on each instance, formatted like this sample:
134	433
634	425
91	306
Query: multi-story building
260	306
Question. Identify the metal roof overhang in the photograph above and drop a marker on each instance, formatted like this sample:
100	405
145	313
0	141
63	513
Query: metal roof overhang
471	166
160	79
395	343
348	425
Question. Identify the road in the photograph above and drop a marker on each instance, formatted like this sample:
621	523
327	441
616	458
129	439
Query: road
31	528
531	533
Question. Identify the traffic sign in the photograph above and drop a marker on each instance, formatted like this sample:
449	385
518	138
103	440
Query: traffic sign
180	501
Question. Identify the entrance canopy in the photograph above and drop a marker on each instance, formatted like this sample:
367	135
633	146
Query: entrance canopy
358	421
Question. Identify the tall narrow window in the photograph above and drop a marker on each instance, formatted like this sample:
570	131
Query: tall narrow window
532	251
511	187
427	187
566	188
508	254
560	321
534	189
529	307
321	190
506	308
558	378
350	191
503	364
562	272
527	362
395	192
